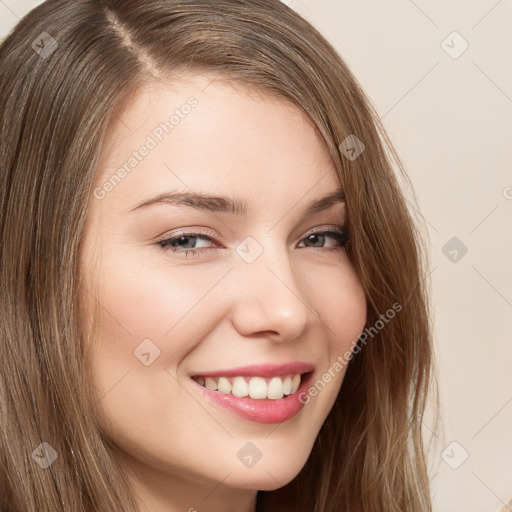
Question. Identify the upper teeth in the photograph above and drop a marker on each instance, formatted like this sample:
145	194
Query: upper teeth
256	387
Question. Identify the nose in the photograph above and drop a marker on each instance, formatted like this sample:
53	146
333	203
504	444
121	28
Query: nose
270	296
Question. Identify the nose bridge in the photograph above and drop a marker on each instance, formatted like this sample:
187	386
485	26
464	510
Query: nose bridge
271	294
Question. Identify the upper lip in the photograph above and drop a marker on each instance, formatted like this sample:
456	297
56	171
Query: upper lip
260	370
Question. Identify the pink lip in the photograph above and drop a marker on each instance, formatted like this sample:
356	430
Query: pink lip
259	410
260	370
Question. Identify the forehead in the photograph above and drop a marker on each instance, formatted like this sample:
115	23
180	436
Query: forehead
198	133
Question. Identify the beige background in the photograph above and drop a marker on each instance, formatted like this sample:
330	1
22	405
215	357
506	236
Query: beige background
450	117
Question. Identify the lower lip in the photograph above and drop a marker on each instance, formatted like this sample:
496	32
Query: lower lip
260	410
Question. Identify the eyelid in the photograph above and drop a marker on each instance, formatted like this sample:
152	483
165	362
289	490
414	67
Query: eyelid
326	227
187	231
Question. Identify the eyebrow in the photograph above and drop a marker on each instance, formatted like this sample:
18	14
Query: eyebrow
229	205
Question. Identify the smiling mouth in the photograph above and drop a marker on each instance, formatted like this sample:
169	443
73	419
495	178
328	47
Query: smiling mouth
259	388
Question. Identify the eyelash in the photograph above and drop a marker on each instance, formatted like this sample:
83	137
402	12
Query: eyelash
341	236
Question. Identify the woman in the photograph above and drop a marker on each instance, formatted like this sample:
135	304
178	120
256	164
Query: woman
212	291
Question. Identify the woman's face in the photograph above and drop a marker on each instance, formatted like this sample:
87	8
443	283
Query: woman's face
188	288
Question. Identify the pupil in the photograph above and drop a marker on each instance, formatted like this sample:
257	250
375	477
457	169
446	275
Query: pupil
313	236
182	239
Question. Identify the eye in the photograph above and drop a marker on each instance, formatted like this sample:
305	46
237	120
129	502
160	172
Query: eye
340	236
184	243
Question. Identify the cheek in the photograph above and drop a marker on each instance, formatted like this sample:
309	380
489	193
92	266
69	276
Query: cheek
152	301
341	305
136	304
342	308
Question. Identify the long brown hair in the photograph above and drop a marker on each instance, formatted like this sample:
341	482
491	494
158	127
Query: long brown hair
64	70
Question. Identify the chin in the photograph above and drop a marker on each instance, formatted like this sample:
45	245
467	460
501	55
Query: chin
269	475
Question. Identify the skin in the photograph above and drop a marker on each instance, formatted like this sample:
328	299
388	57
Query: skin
297	301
